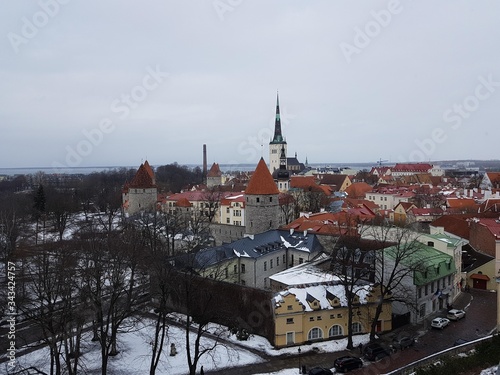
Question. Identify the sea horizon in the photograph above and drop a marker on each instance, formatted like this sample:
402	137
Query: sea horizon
12	171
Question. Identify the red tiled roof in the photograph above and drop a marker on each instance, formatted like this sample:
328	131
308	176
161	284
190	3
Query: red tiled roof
333	179
183	202
493	226
492	205
494	177
455	224
309	183
149	170
326	223
461	202
144	177
350	203
411	167
358	189
426	211
198	195
214	171
301	182
479	276
261	182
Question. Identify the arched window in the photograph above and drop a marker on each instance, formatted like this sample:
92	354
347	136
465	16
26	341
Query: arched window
335	330
315	334
356	328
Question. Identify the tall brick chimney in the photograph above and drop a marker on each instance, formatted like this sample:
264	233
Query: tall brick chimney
204	162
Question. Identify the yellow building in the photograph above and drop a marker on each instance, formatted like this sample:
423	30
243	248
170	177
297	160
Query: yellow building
319	312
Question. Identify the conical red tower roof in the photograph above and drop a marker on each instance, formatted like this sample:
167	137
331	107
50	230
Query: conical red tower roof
214	171
261	182
144	177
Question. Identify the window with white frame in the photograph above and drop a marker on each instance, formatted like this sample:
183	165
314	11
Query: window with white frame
356	328
315	334
335	330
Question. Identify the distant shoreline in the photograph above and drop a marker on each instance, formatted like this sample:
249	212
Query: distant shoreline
448	164
223	167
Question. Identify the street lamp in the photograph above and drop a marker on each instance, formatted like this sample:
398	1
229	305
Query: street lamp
300	368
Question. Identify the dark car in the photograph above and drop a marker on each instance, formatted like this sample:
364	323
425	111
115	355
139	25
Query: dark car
375	352
347	363
403	342
320	371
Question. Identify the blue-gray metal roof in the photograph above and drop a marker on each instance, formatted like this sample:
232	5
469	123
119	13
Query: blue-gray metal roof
258	245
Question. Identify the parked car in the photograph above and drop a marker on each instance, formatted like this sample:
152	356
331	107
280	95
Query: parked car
455	314
320	371
347	363
403	342
375	352
440	323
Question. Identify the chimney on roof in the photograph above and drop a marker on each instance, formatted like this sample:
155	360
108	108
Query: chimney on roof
291	231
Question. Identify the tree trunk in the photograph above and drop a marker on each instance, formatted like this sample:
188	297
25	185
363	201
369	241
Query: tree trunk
378	311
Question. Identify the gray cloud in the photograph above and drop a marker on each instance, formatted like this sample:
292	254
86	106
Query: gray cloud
224	73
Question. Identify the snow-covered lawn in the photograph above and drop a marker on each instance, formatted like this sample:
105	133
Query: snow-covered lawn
135	353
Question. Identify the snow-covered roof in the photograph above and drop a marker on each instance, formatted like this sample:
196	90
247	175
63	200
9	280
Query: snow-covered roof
322	293
303	274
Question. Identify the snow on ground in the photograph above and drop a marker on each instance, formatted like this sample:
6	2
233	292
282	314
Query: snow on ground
134	357
491	371
135	352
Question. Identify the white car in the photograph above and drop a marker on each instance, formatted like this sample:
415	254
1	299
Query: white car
440	323
455	314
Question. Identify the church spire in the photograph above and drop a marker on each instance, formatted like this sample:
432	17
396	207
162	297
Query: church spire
278	137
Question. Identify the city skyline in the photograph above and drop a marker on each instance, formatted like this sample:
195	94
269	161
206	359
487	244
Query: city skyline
93	84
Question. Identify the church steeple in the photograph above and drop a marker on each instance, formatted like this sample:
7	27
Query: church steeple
278	144
278	137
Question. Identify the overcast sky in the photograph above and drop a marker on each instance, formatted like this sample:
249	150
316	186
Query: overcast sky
104	83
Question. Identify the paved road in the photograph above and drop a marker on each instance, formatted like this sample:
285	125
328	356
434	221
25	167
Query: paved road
479	322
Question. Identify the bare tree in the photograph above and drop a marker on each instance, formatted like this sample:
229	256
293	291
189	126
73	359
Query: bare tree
287	208
159	270
311	199
212	199
52	303
13	215
39	205
110	269
345	260
202	308
60	207
397	260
